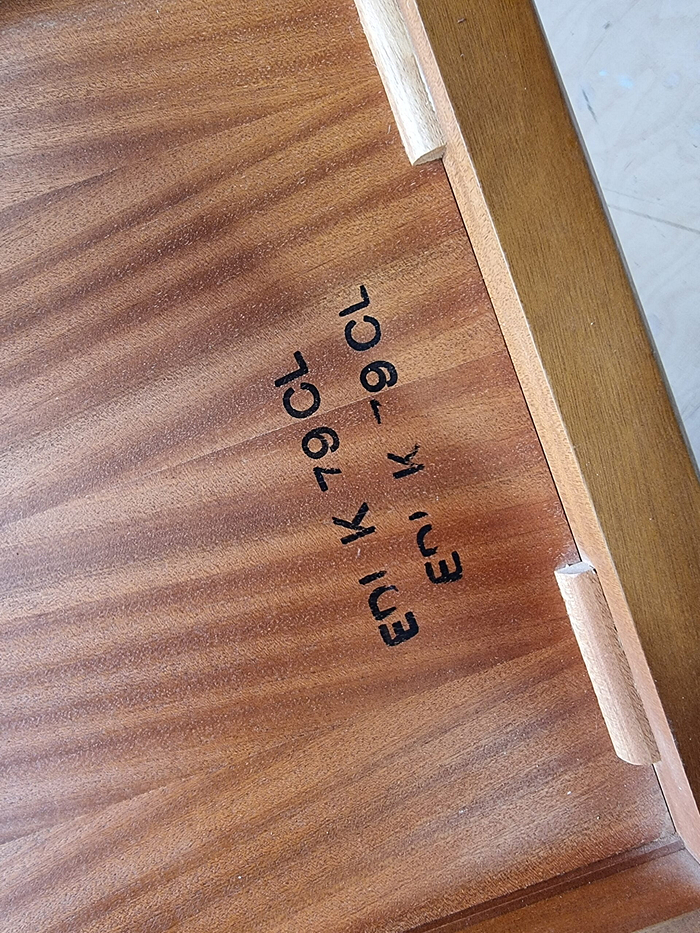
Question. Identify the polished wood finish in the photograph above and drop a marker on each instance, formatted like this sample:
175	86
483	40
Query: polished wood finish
580	349
409	811
203	728
648	889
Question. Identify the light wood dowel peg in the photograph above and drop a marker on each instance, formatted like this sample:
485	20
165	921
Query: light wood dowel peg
607	664
405	87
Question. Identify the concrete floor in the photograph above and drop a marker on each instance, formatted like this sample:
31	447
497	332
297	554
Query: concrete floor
632	72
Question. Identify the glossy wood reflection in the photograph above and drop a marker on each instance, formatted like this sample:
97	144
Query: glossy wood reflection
203	728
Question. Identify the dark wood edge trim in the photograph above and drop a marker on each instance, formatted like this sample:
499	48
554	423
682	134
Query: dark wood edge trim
552	887
579	345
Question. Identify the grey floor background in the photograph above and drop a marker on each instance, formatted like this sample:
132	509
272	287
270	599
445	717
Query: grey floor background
631	69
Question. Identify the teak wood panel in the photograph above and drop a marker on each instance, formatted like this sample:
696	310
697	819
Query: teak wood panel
203	728
578	321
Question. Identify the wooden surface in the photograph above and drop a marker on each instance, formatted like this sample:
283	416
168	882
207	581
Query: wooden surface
649	891
606	664
203	728
388	38
580	349
630	72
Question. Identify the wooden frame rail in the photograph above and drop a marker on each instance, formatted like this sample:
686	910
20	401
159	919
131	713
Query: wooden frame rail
574	329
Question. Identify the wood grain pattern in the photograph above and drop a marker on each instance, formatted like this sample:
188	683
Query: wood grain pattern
405	88
203	728
580	349
644	892
333	832
197	605
636	65
606	664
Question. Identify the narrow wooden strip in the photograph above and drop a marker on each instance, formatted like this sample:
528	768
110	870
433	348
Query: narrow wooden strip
639	886
607	664
396	62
